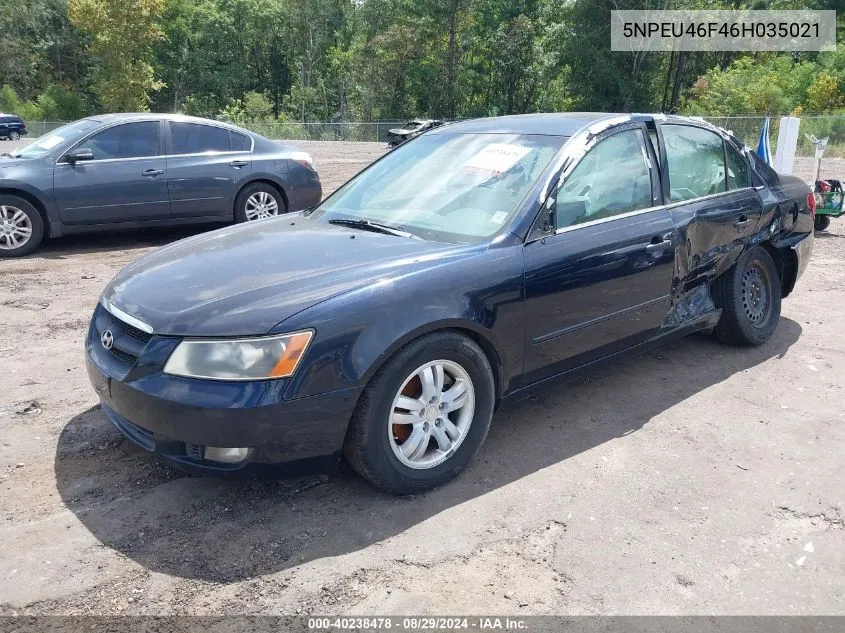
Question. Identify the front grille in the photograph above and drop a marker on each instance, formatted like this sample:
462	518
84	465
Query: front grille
127	358
130	330
128	341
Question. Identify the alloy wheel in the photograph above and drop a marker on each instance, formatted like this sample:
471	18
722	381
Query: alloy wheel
431	414
15	227
261	205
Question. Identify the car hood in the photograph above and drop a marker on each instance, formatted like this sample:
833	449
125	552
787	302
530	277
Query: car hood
243	280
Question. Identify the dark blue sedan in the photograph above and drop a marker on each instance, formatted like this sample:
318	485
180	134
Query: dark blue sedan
122	171
471	264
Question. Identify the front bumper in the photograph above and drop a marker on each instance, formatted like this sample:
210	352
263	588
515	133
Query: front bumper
176	418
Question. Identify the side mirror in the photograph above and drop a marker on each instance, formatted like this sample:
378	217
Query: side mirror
79	154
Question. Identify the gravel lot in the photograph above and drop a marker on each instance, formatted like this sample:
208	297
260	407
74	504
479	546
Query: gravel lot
696	479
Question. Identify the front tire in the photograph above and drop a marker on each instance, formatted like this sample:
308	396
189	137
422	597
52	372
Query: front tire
258	201
423	415
21	227
750	297
821	222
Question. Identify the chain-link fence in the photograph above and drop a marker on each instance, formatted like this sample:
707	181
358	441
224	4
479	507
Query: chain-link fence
375	132
291	131
40	128
746	128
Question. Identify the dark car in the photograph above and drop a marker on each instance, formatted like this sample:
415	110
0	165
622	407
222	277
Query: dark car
123	171
471	264
12	127
411	129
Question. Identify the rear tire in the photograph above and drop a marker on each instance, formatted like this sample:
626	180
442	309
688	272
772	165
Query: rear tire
821	222
380	427
21	227
259	201
14	136
750	297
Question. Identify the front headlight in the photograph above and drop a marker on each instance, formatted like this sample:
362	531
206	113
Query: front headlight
239	359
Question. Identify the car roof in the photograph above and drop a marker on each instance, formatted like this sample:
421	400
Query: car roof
141	116
554	123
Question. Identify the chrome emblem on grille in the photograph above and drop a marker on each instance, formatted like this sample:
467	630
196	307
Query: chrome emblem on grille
107	339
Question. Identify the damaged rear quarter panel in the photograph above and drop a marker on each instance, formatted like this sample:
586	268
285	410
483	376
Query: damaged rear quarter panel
713	233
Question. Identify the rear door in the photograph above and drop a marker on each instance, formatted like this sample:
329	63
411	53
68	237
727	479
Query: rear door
600	282
710	197
125	182
205	163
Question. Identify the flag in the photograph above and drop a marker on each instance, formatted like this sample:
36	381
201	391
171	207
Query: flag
764	151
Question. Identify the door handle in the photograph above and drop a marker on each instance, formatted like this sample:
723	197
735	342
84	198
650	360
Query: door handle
152	173
742	222
657	244
237	164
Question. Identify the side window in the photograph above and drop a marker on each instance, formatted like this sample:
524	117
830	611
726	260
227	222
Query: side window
768	174
195	138
612	178
696	162
129	140
737	169
239	142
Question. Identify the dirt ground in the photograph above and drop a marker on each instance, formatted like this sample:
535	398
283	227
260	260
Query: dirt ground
695	479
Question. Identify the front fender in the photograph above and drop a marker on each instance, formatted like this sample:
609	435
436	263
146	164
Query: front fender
42	197
358	331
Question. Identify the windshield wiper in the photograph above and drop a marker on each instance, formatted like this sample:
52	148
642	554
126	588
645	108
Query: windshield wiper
375	227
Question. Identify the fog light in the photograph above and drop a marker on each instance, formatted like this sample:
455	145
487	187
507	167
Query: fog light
227	455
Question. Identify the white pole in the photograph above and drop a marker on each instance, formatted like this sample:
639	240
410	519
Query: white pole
787	144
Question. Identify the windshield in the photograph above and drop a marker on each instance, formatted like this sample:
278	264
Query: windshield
450	187
64	135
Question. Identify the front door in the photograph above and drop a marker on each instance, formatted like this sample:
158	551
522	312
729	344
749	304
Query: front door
600	281
125	182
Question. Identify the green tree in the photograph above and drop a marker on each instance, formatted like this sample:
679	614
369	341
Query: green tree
824	94
122	35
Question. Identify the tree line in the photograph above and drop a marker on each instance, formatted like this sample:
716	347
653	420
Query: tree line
369	60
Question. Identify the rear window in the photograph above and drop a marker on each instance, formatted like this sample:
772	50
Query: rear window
195	138
737	169
696	160
239	142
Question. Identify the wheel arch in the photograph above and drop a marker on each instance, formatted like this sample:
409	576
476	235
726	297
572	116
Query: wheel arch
466	328
786	262
32	199
264	181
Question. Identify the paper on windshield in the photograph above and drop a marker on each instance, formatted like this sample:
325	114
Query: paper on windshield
497	157
50	142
